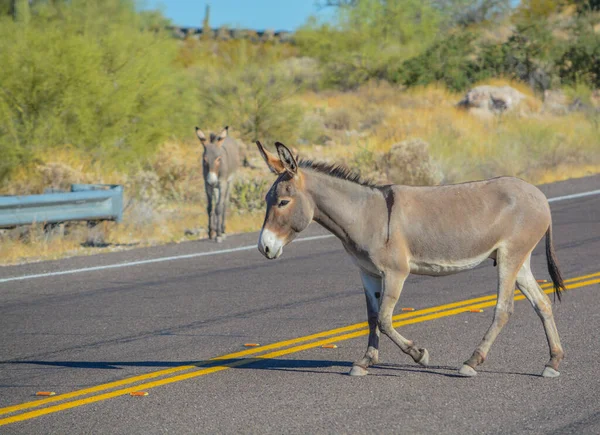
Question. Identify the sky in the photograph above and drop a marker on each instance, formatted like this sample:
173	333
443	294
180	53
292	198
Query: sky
245	14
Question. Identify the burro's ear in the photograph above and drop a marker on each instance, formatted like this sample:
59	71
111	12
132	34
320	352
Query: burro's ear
287	158
200	135
270	159
221	137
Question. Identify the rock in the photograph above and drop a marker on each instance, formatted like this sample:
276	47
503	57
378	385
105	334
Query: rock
486	100
194	232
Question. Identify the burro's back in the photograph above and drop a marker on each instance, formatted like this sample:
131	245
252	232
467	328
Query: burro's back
221	158
233	155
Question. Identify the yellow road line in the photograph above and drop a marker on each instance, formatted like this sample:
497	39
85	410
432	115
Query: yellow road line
240	354
285	343
209	370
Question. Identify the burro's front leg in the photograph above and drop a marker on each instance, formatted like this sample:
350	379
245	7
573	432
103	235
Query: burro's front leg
210	210
215	215
373	286
393	283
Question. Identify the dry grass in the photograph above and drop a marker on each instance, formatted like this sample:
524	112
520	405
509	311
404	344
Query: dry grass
524	143
165	199
110	237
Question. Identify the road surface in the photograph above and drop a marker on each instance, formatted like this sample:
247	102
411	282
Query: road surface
172	321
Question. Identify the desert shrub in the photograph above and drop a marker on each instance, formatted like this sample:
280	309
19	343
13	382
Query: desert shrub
368	39
303	72
248	193
365	162
257	101
144	187
409	162
371	117
466	13
342	118
179	172
58	175
90	74
312	129
448	61
580	62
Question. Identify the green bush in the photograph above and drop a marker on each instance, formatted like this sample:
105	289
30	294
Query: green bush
368	40
248	195
580	62
251	91
448	61
92	74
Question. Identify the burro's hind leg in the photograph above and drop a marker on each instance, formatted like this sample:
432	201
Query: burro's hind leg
393	283
224	209
220	207
543	307
373	287
508	266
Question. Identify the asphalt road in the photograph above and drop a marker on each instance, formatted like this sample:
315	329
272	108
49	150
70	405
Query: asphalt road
93	329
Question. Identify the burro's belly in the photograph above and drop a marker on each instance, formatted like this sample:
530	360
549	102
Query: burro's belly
441	267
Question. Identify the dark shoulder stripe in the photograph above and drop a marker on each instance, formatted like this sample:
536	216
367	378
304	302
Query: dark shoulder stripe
388	194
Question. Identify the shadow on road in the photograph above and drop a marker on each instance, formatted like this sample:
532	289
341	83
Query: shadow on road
239	363
309	366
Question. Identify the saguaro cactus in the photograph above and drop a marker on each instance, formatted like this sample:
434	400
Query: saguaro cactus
206	31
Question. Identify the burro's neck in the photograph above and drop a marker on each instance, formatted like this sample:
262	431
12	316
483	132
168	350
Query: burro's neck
352	212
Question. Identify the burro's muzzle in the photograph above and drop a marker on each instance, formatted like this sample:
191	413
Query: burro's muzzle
212	179
269	244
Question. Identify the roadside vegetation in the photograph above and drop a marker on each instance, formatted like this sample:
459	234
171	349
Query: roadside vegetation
94	91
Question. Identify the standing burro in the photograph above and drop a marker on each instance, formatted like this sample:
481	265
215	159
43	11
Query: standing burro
221	158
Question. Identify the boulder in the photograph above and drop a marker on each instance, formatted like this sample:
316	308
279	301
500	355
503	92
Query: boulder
488	100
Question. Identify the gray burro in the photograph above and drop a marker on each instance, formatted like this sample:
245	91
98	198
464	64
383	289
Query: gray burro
221	158
392	231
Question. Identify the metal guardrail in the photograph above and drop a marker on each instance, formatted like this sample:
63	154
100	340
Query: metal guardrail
85	202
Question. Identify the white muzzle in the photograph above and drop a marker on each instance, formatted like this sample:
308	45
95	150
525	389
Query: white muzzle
269	244
212	178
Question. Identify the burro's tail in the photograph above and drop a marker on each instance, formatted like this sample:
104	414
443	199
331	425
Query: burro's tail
553	270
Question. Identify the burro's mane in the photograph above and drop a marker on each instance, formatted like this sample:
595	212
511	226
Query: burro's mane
337	171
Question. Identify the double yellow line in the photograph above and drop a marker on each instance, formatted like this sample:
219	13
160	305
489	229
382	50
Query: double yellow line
241	358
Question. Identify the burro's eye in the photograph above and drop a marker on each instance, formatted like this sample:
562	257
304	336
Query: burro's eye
283	203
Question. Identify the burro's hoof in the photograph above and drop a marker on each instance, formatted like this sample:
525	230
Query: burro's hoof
358	371
467	371
424	361
220	239
549	372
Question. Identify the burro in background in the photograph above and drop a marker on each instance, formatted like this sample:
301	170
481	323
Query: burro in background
392	231
221	158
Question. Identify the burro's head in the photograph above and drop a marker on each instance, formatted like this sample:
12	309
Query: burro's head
213	154
289	207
